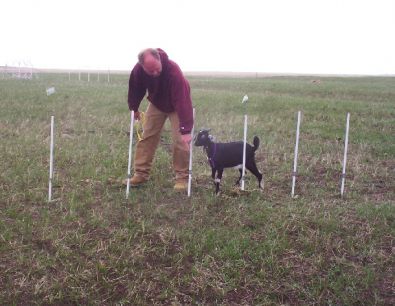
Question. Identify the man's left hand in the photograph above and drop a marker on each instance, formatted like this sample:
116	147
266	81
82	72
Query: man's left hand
186	138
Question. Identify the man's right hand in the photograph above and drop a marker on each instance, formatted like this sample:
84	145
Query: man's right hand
137	115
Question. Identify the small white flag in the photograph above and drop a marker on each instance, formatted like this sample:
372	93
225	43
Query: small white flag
50	91
245	99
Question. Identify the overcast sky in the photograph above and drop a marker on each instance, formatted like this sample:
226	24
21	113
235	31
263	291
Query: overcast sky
295	36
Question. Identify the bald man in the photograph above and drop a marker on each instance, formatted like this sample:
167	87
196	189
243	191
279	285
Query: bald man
169	96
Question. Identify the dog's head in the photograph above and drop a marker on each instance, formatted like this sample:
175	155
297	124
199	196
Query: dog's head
203	138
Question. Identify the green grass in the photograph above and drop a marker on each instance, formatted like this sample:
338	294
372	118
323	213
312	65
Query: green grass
92	246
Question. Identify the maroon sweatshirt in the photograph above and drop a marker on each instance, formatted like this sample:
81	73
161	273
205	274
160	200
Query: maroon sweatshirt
169	92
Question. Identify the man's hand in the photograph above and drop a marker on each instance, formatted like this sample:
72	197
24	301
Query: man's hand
186	138
137	115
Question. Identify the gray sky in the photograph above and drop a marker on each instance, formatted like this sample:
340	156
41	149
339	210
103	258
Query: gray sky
303	36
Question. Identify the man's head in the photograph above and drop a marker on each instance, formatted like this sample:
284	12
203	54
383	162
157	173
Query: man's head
150	61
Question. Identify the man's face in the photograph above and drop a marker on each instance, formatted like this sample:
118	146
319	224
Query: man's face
152	66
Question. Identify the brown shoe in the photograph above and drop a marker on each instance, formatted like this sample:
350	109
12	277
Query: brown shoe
135	181
181	186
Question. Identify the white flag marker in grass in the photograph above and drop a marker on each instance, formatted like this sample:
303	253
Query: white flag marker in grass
190	157
244	101
130	153
296	155
51	149
50	91
345	155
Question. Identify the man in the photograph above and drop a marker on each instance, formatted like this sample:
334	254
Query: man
169	96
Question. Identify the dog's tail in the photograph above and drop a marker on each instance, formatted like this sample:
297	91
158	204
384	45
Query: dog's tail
256	143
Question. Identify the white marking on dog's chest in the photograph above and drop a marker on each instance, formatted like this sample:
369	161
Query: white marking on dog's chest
238	167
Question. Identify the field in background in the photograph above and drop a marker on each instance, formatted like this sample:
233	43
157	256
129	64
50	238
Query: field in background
91	246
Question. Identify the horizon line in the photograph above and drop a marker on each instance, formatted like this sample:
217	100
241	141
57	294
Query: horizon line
199	72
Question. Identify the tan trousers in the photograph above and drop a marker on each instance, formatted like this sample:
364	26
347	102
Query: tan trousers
145	149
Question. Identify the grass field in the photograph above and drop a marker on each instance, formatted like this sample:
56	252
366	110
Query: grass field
91	246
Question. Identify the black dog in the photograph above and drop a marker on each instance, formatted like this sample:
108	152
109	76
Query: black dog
227	155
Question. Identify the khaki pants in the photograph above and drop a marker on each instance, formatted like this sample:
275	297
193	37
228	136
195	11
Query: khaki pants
145	149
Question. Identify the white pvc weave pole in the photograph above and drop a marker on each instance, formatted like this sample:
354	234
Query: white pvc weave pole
345	155
51	147
296	155
130	153
190	157
244	152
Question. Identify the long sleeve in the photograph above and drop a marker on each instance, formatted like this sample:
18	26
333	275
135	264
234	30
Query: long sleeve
181	96
137	89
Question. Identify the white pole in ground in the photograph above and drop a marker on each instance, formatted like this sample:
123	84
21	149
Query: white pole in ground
98	76
130	153
79	75
108	76
345	155
51	147
296	155
89	76
244	101
69	75
190	157
244	152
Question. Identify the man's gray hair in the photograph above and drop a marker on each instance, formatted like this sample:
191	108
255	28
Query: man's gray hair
154	52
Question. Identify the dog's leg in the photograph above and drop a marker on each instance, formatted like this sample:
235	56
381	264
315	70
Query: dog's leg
218	180
251	165
238	180
213	173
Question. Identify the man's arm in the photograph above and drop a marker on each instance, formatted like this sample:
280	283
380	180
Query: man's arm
181	96
136	90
